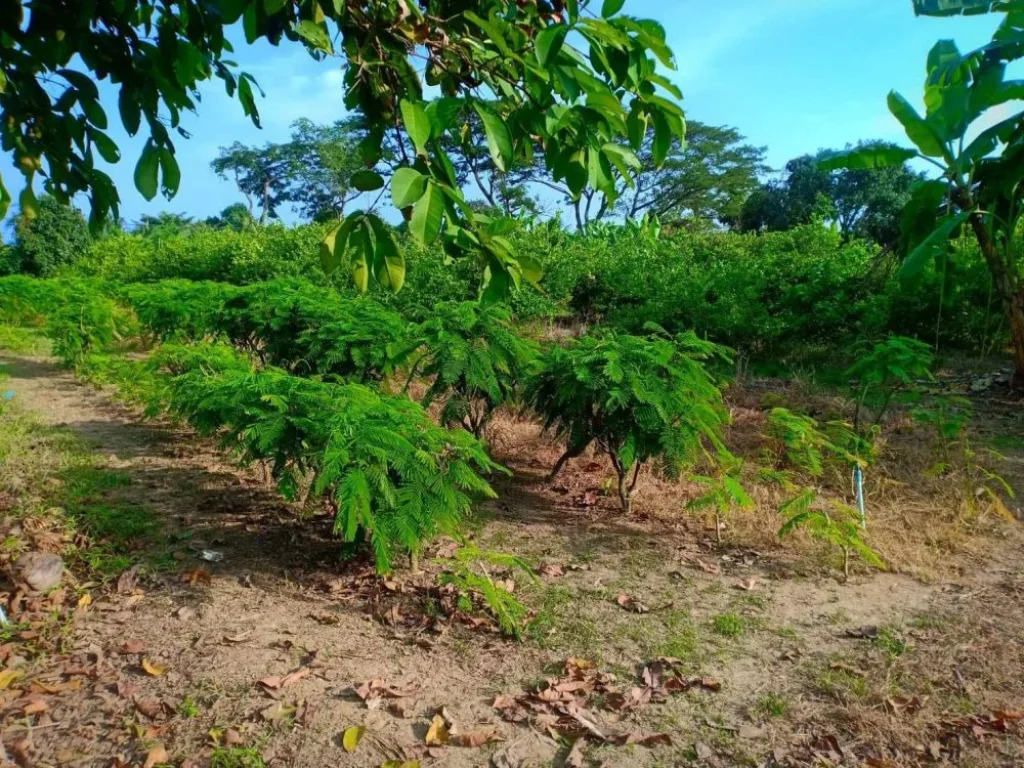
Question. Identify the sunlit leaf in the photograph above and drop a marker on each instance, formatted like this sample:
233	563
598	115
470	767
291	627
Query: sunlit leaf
549	43
918	131
427	214
499	141
417	124
407	186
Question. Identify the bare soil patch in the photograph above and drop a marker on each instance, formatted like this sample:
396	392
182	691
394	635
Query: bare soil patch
883	669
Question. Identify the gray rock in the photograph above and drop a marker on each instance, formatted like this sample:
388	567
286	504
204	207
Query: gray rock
40	571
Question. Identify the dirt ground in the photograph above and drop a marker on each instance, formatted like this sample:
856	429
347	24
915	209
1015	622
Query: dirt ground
784	662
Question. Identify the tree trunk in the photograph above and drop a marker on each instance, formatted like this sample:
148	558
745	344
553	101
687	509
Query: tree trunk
570	453
266	204
1010	293
1016	314
625	496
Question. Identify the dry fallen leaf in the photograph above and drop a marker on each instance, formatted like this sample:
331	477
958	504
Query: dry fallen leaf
475	738
748	585
156	756
132	646
437	734
241	637
39	686
156	670
575	758
276	711
631	604
151	708
85	600
283	681
351	737
9	676
644	739
232	738
709	567
34	707
197	576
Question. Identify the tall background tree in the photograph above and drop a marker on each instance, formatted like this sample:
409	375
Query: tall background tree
164	224
862	202
262	174
55	236
235	216
327	159
708	177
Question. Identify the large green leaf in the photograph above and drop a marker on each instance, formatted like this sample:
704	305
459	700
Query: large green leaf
316	35
388	261
917	129
549	43
407	186
926	250
425	223
951	7
989	139
366	180
417	124
5	198
442	113
170	173
105	145
865	158
611	7
662	142
28	203
146	171
927	200
361	247
334	245
492	29
131	112
499	140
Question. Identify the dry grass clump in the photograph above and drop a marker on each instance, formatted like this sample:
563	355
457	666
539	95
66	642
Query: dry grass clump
920	521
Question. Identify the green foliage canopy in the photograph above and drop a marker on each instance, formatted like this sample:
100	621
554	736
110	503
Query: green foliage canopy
981	183
555	76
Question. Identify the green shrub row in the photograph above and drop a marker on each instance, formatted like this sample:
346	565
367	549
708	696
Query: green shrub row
764	295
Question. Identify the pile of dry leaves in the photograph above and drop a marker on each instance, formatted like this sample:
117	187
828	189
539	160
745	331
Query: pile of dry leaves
565	706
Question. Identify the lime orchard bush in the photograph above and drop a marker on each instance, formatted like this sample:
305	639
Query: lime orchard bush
764	295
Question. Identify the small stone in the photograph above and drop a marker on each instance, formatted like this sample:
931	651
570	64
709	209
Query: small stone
185	613
40	571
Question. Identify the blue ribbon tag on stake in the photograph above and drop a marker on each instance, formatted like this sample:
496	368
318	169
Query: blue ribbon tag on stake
9	394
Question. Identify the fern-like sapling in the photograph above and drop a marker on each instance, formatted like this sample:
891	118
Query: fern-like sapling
836	524
884	370
469	573
949	416
475	361
637	398
800	442
724	493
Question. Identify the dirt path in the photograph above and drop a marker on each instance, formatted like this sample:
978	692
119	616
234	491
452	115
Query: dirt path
280	601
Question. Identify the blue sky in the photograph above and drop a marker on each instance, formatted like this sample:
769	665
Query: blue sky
792	75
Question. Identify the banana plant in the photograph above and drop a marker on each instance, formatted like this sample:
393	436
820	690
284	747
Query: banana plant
971	134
